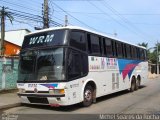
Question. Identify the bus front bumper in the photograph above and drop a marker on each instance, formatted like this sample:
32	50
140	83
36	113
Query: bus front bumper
43	99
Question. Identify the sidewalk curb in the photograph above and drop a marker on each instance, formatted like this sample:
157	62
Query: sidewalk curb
10	106
8	91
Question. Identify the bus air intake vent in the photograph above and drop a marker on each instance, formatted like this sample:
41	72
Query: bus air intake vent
38	100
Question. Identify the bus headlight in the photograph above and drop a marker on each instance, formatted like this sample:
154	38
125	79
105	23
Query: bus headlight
57	91
21	90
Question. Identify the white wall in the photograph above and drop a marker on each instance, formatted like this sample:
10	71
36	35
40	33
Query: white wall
15	36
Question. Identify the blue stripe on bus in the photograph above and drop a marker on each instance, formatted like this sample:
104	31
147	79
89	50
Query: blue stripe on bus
126	67
50	85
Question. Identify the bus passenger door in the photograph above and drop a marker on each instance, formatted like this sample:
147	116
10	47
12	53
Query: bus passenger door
77	69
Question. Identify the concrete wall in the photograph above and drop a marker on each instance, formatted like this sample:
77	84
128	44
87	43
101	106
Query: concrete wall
8	72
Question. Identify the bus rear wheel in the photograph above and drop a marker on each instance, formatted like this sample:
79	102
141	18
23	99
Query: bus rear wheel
137	84
88	96
133	85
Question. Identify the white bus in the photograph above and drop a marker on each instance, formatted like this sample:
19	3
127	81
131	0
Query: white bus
68	65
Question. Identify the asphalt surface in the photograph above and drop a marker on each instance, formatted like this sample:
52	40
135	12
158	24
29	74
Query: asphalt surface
141	104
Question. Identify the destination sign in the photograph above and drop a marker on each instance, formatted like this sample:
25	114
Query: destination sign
44	39
41	39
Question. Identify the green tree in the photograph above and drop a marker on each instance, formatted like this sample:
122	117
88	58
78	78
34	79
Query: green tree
153	55
143	44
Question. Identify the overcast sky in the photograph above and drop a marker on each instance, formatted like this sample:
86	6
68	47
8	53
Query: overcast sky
134	21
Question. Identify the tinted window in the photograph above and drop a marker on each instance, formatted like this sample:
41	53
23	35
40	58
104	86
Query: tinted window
84	64
77	64
114	49
128	49
134	52
108	47
94	46
138	53
49	38
119	49
77	40
42	64
101	46
125	50
142	56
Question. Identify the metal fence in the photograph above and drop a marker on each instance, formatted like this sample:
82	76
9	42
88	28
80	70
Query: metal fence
8	72
152	68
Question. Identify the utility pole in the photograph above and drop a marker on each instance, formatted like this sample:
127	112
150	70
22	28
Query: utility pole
66	20
2	31
157	59
45	15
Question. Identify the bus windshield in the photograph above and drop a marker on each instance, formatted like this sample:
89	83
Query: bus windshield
42	64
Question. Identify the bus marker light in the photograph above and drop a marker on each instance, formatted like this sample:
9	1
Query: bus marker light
62	91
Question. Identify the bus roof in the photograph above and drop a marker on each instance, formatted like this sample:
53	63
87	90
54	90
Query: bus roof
84	29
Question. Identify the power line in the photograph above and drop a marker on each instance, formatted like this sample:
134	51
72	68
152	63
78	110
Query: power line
19	5
125	14
73	17
108	15
30	17
77	0
124	19
50	3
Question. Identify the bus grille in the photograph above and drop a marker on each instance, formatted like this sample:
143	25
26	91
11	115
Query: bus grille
38	100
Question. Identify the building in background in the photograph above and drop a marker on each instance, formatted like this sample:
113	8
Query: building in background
11	49
13	41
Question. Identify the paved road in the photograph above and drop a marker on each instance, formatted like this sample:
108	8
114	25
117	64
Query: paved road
144	101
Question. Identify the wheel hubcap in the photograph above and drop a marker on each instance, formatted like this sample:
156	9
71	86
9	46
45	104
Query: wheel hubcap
88	95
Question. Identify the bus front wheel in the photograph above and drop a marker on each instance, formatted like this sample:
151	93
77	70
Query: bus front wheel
88	96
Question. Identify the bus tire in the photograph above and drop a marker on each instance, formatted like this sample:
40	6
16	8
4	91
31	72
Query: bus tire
133	85
137	83
88	96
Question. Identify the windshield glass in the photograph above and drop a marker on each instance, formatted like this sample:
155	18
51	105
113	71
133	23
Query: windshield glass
45	64
47	38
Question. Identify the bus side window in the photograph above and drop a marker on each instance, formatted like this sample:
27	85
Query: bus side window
128	49
101	43
108	47
114	49
104	47
77	40
119	49
138	53
125	50
142	57
93	44
134	52
84	64
89	44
